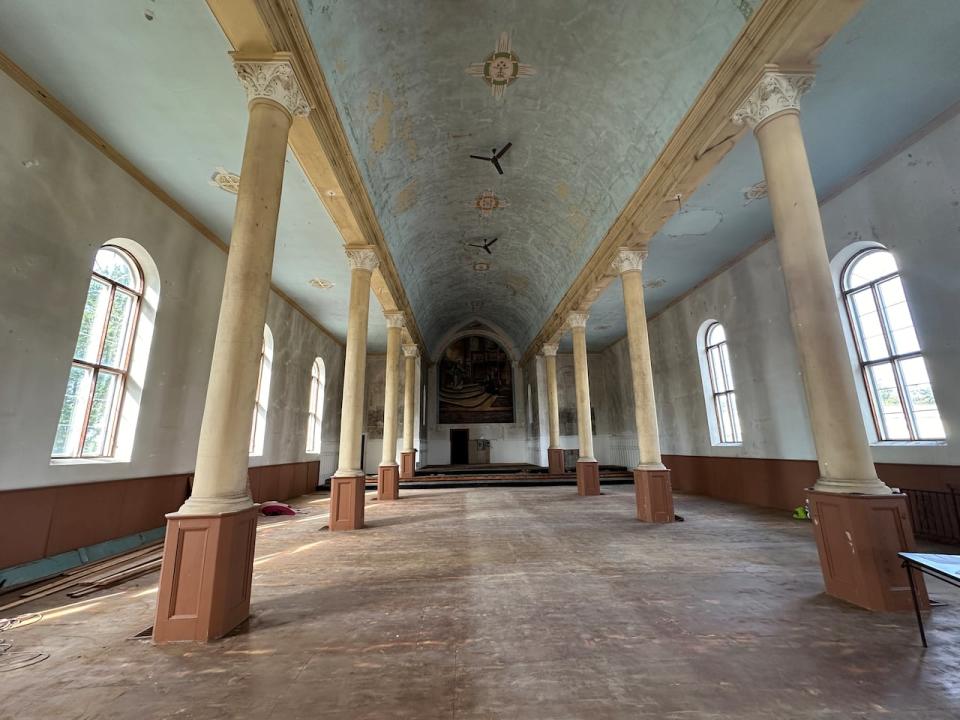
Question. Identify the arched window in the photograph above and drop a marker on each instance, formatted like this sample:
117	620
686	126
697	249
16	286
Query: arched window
101	359
725	428
318	376
894	372
258	431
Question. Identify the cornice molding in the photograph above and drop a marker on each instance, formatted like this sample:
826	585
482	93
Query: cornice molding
775	92
789	33
271	79
627	260
362	259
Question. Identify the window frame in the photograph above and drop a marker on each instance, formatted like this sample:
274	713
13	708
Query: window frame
262	398
733	415
318	383
893	358
121	371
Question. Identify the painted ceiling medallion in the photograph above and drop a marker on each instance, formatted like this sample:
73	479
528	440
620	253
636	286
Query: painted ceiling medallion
501	67
320	284
757	191
225	180
487	202
655	283
481	266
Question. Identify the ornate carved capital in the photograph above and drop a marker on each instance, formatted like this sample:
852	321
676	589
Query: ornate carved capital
550	349
273	80
628	260
394	319
411	351
362	259
577	319
775	92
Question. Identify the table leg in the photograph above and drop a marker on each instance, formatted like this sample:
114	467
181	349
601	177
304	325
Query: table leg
916	603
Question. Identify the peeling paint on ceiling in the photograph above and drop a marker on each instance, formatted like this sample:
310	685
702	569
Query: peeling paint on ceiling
588	93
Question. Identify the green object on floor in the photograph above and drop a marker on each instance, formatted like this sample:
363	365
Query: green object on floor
800	513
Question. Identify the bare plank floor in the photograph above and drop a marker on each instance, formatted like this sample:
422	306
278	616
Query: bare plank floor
507	603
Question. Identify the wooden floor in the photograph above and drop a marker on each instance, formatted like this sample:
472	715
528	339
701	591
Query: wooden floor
508	603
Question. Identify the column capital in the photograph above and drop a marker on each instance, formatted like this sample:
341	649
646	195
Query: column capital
550	349
411	351
775	92
271	78
362	259
395	319
628	260
577	319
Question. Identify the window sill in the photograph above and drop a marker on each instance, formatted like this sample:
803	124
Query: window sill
727	445
909	443
88	461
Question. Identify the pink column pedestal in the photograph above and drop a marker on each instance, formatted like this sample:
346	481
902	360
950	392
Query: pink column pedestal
588	477
347	502
555	461
408	465
858	538
654	495
205	576
388	482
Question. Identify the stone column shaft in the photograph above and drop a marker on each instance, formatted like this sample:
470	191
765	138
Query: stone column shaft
409	395
553	405
630	264
578	329
220	479
839	433
391	390
362	264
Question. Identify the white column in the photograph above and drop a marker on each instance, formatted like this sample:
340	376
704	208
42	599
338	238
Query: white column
577	321
410	353
220	481
391	388
843	450
363	261
549	351
629	264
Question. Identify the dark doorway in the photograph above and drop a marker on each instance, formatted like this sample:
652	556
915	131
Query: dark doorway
459	447
363	450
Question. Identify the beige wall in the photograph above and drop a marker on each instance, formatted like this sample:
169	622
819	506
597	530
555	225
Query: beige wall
60	200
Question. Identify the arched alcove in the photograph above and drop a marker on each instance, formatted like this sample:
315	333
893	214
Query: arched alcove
475	382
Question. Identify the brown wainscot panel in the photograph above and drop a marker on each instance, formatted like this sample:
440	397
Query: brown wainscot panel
770	482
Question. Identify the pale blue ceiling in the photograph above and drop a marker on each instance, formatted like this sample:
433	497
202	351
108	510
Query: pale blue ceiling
892	70
163	92
612	79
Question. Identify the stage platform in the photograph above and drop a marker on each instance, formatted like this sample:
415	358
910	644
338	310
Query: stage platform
501	474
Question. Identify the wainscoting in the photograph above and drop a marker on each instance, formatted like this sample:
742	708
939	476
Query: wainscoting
42	522
781	483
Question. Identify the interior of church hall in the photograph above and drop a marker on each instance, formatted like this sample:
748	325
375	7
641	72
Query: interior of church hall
549	359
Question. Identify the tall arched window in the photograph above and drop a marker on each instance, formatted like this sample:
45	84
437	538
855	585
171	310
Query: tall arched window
318	376
101	359
725	428
894	372
258	431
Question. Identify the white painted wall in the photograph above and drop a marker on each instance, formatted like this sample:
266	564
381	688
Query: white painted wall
60	200
910	204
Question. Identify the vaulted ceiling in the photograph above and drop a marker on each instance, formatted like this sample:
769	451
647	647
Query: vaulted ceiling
596	91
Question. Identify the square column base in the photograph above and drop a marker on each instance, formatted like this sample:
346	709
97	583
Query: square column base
205	576
388	482
588	477
654	495
555	461
408	464
858	538
347	502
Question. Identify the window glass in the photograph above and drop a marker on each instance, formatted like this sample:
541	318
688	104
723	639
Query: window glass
724	400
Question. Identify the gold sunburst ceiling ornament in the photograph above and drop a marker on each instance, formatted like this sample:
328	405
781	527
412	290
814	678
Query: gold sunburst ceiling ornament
320	284
501	67
487	202
756	191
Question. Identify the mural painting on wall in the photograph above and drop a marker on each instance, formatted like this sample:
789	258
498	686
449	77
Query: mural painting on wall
475	382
